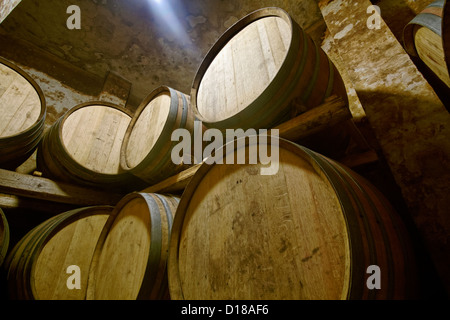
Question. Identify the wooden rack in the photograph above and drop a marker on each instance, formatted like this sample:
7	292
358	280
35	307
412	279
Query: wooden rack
18	190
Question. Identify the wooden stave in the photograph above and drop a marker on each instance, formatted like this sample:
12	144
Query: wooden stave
148	290
403	285
378	209
21	276
157	164
16	148
23	258
424	19
432	20
22	149
71	164
272	99
16	259
54	160
74	217
4	237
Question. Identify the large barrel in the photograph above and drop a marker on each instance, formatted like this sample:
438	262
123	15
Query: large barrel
37	266
147	146
4	236
83	146
423	38
23	111
312	230
263	70
131	261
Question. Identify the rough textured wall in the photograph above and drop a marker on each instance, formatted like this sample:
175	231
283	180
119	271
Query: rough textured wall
148	42
410	122
6	6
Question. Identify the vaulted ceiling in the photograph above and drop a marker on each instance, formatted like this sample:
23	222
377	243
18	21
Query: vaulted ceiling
148	42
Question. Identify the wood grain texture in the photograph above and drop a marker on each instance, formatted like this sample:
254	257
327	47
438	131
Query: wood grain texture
29	186
37	265
307	232
83	146
423	37
243	68
9	201
260	72
148	129
93	136
430	50
23	110
333	111
131	261
20	105
147	145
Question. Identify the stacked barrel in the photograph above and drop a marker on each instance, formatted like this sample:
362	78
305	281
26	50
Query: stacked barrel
309	230
427	37
23	111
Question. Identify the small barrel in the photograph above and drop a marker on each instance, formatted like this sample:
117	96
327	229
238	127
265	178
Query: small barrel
131	261
423	38
23	111
4	236
38	265
147	146
262	71
311	230
83	146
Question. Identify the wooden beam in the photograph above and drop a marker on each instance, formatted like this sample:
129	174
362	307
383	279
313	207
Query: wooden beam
358	159
175	183
23	185
333	111
8	201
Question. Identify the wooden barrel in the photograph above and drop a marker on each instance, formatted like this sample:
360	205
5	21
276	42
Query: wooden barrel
4	236
131	261
147	146
83	146
310	231
23	111
262	71
422	38
37	267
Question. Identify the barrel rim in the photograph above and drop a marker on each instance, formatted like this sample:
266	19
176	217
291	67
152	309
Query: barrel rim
370	228
73	162
223	40
147	280
37	88
17	261
411	27
67	218
353	242
168	126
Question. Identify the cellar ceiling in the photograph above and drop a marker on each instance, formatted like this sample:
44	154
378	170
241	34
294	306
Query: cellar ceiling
147	42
